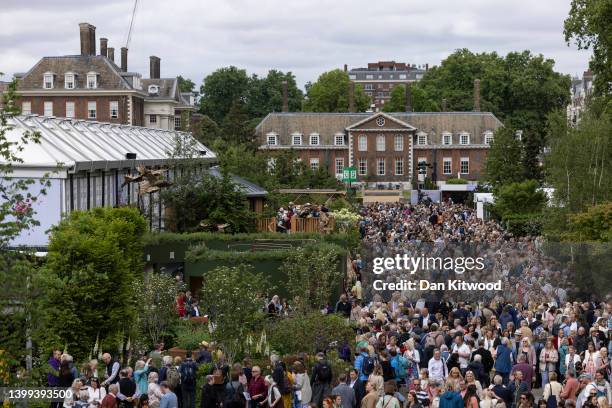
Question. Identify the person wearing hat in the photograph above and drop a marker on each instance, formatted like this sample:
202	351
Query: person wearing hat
204	355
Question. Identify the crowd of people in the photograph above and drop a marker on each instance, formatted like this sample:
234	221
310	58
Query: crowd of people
526	347
285	215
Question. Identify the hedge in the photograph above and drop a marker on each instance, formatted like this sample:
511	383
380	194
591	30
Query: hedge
166	238
457	181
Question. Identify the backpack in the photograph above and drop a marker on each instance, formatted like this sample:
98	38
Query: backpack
173	377
324	373
402	365
234	396
367	367
188	374
551	402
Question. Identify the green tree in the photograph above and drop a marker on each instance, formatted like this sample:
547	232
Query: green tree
313	275
588	25
503	165
200	199
592	225
155	296
236	127
206	131
331	94
578	165
519	198
232	297
93	261
185	84
265	94
420	100
221	89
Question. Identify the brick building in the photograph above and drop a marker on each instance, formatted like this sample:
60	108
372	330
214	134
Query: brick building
91	86
379	78
386	148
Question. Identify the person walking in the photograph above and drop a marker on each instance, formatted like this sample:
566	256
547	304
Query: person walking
321	379
168	399
188	371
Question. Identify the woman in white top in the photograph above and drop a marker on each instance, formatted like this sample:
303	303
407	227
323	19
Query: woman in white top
302	384
487	399
71	398
413	357
471	379
591	359
153	391
552	388
95	392
274	396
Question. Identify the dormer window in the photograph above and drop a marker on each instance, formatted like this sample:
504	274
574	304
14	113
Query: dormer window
48	80
296	139
464	138
92	80
272	139
488	137
69	82
422	138
153	90
314	139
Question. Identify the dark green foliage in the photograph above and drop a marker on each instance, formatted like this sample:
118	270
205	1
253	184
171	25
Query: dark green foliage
206	131
420	100
198	199
185	84
308	333
330	93
592	225
93	261
503	164
265	94
518	198
456	181
221	89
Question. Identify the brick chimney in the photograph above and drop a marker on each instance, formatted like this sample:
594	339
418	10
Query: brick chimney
88	39
351	97
285	96
345	68
444	105
124	51
408	97
426	67
110	53
477	95
154	67
104	47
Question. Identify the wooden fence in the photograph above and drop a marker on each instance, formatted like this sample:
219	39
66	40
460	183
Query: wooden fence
298	225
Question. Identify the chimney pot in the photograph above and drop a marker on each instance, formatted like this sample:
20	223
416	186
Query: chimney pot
345	68
285	96
124	61
154	67
408	97
88	39
351	96
477	95
426	67
110	53
104	47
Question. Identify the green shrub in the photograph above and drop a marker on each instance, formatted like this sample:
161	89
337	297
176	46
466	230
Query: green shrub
457	181
524	224
189	334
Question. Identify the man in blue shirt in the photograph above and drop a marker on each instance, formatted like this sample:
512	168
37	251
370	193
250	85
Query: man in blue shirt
168	400
360	361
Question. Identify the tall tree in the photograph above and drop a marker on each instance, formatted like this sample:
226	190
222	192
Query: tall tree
588	25
236	126
265	94
185	84
420	100
331	94
206	130
221	89
503	164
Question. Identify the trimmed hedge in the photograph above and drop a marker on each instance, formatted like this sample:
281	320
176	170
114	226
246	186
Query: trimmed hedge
166	238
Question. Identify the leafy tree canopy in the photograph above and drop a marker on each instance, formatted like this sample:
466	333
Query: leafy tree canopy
518	198
330	93
185	85
503	164
420	100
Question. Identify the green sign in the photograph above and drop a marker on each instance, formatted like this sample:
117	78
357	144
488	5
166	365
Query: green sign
349	175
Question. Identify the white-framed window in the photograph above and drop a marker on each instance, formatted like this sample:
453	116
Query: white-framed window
369	76
422	165
70	110
339	165
113	107
465	165
26	108
380	167
399	166
152	119
447	165
352	77
339	140
69	81
91	110
48	80
380	143
447	138
272	139
177	122
422	138
488	138
314	139
368	87
92	80
363	167
402	76
314	163
363	143
296	139
48	108
464	138
399	143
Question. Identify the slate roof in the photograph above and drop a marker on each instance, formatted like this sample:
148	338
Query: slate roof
251	190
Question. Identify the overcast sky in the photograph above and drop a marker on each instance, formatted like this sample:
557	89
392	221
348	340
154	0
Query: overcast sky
307	37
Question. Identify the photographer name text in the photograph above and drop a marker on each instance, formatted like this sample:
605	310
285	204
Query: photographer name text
449	285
